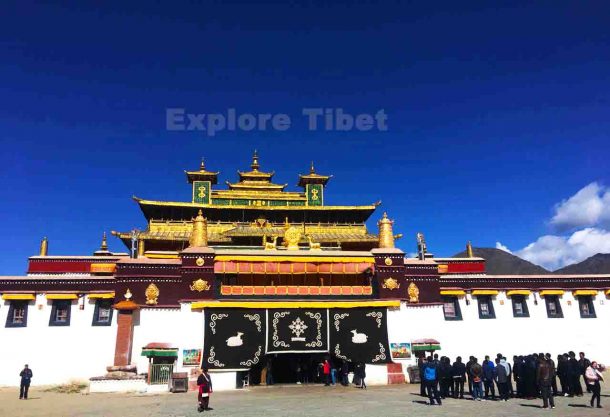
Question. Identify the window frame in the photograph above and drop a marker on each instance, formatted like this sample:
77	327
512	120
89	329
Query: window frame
11	312
588	300
547	301
53	319
456	304
523	299
96	313
492	310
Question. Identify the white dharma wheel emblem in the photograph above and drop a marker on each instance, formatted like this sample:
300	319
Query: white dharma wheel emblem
298	327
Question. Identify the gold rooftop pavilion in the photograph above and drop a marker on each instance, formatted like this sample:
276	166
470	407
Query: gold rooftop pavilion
252	213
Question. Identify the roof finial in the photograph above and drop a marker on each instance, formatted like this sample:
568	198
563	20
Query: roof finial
44	246
312	170
199	235
104	245
202	166
386	233
469	251
255	164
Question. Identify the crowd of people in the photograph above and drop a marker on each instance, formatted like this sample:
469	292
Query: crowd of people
529	376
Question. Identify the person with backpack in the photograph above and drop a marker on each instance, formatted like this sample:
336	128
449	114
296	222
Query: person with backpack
476	375
431	379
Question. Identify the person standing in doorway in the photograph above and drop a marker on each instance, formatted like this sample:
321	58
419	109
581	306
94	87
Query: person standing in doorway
592	378
344	373
326	372
26	377
544	377
269	374
204	382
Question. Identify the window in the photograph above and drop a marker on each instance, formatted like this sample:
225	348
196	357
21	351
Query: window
520	306
585	303
451	308
553	307
486	307
60	313
17	314
102	316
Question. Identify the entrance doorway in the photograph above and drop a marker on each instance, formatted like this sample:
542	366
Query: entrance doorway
294	368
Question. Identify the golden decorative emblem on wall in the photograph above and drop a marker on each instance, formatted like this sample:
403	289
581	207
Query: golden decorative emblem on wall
391	284
292	236
152	294
201	190
413	292
200	285
200	261
388	261
314	194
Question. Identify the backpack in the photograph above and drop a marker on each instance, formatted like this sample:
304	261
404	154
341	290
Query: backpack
430	373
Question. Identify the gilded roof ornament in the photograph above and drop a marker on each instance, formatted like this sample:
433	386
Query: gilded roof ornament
199	235
152	294
44	246
386	233
469	252
104	245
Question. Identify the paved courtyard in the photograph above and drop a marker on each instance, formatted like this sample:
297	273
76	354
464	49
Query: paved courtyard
282	401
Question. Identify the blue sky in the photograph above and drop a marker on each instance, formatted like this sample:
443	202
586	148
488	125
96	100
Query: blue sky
496	113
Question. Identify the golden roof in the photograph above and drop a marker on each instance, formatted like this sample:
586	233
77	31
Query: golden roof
313	177
202	174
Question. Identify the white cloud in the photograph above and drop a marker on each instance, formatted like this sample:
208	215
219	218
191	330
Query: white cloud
590	206
553	252
502	247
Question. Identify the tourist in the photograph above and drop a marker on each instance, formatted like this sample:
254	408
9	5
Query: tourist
551	362
502	378
592	378
584	364
476	375
204	382
530	365
269	374
544	376
26	378
574	374
333	373
518	370
489	373
326	371
445	379
468	366
431	378
361	367
344	373
562	373
458	373
421	364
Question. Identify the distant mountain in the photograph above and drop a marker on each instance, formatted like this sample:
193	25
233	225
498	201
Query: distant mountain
596	264
499	262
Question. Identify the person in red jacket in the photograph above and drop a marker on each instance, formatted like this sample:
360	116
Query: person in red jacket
326	369
204	382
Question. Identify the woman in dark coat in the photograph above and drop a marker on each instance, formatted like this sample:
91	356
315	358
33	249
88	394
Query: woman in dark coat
204	382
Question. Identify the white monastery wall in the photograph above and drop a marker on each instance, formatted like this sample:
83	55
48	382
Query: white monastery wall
56	354
507	334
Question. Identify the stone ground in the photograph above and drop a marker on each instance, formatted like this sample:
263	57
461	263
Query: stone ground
283	401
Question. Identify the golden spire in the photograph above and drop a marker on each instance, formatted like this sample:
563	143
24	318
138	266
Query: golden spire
44	246
469	252
312	170
104	245
255	165
386	233
202	166
199	236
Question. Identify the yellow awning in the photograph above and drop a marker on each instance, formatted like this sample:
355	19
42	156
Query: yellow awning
288	258
62	296
518	292
584	292
453	292
18	297
102	295
293	304
551	292
485	292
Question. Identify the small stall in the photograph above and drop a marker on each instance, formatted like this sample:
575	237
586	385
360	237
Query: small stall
161	361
